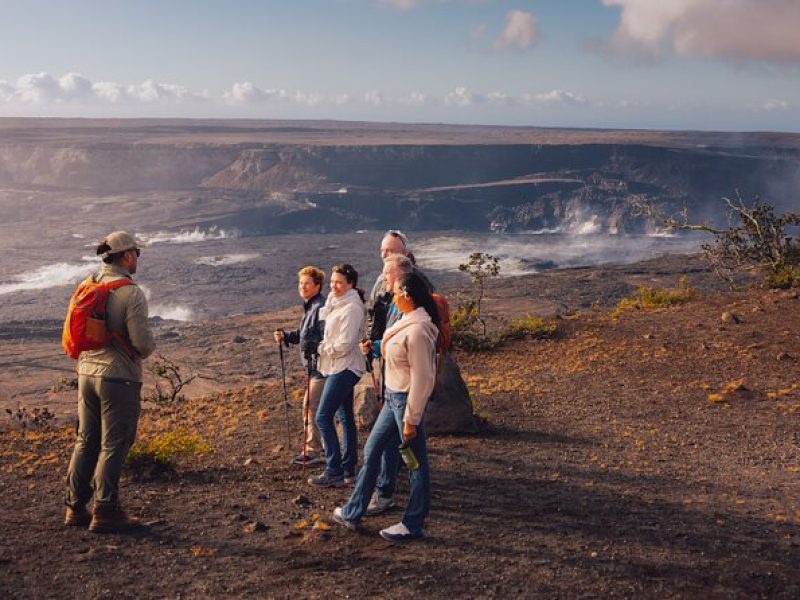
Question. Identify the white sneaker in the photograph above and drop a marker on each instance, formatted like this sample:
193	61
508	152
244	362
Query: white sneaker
378	504
337	516
399	533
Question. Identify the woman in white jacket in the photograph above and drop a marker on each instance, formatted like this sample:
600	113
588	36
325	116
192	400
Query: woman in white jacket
409	349
342	364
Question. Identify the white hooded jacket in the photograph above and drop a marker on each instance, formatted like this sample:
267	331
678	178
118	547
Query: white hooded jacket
345	318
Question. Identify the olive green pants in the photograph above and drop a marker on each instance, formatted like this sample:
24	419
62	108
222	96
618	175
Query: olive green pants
108	413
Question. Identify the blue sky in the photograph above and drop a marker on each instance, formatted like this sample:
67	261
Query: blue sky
662	64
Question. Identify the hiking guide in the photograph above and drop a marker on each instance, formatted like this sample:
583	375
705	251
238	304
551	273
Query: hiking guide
308	336
109	384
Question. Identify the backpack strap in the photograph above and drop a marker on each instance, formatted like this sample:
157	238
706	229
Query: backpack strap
116	336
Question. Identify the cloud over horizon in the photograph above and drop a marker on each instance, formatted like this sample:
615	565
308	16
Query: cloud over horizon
42	89
732	30
521	32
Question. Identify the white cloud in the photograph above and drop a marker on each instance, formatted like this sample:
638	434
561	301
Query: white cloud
775	104
554	97
373	97
737	30
520	32
499	98
415	98
42	89
460	96
400	4
6	91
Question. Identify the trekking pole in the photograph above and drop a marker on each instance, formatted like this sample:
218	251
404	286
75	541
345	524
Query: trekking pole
305	415
285	396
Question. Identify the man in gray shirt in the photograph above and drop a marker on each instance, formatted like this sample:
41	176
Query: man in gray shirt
109	395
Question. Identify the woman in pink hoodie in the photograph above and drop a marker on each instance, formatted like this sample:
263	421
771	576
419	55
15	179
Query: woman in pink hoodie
409	349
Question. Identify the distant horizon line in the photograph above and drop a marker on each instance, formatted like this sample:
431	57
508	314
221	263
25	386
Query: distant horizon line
365	122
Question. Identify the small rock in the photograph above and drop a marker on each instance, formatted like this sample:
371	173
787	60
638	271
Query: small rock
255	526
783	356
302	500
154	522
250	461
729	317
239	339
648	336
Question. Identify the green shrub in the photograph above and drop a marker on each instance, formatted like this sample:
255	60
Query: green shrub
648	298
165	449
530	327
788	276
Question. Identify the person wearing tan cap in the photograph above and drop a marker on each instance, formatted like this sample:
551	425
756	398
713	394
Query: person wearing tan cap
109	395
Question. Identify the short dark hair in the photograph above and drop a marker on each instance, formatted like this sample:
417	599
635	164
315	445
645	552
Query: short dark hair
351	275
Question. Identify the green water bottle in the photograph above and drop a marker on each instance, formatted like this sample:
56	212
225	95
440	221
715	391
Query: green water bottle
408	457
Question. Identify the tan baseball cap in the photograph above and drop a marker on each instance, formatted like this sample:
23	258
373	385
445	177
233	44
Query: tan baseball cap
119	241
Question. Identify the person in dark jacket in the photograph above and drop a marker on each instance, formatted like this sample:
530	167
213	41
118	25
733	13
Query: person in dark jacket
308	337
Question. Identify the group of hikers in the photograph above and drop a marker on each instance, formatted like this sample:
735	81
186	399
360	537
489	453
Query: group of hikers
395	328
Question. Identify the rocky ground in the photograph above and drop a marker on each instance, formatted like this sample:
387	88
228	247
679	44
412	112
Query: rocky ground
656	455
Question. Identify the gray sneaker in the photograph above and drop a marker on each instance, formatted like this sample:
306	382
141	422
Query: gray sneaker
378	504
311	459
326	480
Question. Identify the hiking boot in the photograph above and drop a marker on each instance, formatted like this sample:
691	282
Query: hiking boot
337	516
378	504
311	459
326	480
112	520
399	533
77	517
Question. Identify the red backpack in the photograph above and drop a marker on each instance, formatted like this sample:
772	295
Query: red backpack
86	327
444	340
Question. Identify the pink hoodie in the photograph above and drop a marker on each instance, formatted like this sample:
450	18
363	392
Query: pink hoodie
409	349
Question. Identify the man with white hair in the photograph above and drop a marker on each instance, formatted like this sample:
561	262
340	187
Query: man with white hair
382	313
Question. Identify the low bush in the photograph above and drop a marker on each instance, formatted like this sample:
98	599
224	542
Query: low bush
163	451
788	276
650	298
530	327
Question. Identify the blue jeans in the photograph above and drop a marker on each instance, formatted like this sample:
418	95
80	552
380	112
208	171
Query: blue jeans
337	397
387	433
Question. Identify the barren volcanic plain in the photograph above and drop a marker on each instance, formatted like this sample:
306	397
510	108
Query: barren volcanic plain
654	455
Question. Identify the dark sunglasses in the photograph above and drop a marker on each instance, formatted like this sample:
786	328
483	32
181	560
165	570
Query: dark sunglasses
138	252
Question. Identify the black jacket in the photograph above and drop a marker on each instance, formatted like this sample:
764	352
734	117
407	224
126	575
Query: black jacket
309	335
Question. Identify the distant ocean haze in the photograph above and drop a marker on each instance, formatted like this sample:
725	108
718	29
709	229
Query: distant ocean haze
196	273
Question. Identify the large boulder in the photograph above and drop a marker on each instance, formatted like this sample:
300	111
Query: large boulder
449	409
365	404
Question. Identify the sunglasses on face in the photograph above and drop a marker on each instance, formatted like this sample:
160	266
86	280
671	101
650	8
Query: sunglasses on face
399	235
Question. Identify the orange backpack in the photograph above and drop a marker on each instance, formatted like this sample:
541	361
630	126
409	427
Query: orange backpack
443	308
85	327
